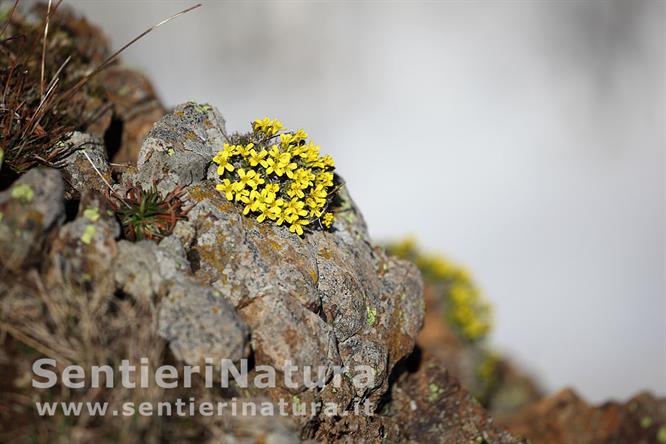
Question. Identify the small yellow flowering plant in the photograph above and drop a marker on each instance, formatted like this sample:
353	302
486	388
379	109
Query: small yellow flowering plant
278	176
466	309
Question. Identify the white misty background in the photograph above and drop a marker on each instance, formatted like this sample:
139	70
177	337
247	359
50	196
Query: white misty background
526	140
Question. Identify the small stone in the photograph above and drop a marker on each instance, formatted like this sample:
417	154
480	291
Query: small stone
31	208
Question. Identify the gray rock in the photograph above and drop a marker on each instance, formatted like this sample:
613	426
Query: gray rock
136	271
371	303
77	170
199	324
29	210
82	251
179	148
197	321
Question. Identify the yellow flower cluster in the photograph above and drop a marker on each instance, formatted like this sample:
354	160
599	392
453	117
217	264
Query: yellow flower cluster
279	176
466	309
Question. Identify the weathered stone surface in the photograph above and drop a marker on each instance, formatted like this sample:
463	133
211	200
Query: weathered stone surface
29	210
430	406
77	170
82	251
196	320
371	303
566	418
178	149
199	324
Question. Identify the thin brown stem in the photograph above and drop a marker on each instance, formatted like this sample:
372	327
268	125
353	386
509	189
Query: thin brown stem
46	33
115	55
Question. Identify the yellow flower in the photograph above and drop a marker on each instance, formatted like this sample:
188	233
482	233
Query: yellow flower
286	139
268	126
243	151
297	226
250	178
283	178
327	220
242	196
274	152
328	162
289	169
311	152
295	190
304	176
315	203
222	160
299	136
325	179
293	209
275	167
227	187
319	192
261	198
257	158
271	211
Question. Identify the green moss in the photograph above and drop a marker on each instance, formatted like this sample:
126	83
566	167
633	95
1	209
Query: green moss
92	214
23	193
434	392
372	316
88	234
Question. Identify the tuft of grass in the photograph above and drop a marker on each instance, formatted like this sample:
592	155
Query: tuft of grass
147	215
35	68
45	86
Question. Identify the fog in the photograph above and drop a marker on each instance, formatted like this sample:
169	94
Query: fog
525	140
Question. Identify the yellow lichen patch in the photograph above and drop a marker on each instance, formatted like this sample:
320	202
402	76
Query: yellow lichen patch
198	194
278	177
275	245
325	253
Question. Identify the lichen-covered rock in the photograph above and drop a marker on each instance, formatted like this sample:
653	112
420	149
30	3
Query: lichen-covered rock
178	149
430	406
78	171
199	324
29	210
82	251
325	283
197	321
